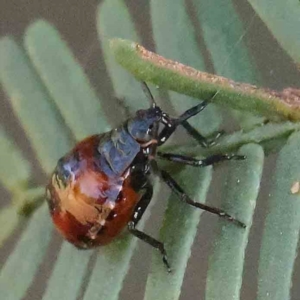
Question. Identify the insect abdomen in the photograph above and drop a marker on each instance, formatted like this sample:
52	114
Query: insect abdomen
88	207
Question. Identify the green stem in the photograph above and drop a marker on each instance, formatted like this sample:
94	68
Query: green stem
264	135
171	75
28	201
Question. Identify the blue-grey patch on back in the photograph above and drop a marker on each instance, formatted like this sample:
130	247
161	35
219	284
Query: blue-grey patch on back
118	149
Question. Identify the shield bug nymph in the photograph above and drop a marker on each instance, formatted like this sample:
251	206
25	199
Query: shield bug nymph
103	184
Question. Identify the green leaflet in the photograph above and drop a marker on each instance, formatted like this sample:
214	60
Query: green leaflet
65	80
224	40
14	169
110	269
282	226
9	220
32	105
82	111
178	232
68	273
282	18
113	20
50	139
20	268
225	270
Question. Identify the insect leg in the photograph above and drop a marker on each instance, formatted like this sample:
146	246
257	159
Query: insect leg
171	124
203	141
199	162
138	213
175	187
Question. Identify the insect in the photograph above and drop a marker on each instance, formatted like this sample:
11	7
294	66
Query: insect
103	184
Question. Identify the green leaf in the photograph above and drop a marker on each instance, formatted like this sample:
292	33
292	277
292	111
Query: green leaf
14	169
177	233
282	226
225	270
282	18
65	80
20	268
32	105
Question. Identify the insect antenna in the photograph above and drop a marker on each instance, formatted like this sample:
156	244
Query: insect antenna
148	94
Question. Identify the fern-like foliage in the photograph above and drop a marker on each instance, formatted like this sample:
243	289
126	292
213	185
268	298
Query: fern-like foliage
56	105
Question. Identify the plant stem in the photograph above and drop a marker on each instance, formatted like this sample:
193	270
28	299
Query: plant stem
171	75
